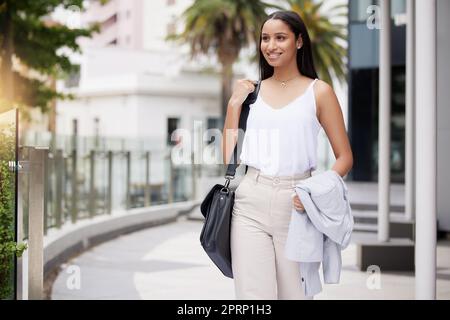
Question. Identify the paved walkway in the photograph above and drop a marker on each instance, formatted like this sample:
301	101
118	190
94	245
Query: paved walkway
167	262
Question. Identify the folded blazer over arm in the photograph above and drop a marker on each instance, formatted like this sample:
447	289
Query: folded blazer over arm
318	234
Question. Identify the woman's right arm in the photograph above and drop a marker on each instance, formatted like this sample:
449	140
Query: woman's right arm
241	90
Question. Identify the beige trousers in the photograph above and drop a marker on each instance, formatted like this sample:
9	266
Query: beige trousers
259	226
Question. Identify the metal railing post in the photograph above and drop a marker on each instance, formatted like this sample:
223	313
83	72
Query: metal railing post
59	175
74	191
194	177
65	213
128	180
147	191
171	173
36	223
48	162
74	184
110	182
92	192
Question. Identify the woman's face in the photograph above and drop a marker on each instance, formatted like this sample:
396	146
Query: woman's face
278	43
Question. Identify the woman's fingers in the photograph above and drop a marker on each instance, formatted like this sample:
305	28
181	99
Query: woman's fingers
297	203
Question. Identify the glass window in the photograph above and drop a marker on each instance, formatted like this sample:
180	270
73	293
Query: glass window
358	9
213	123
398	6
364	112
172	125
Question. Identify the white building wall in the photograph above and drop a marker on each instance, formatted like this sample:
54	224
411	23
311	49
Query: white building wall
157	16
134	92
126	30
114	112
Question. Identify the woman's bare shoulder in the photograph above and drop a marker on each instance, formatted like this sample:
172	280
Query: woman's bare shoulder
324	94
323	89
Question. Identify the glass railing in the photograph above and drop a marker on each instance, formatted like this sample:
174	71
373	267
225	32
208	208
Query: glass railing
90	176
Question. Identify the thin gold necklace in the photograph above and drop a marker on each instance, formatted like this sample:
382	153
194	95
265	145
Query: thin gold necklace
284	82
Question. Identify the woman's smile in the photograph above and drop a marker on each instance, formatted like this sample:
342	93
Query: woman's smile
273	56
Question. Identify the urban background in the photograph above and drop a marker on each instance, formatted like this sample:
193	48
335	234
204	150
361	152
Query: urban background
95	97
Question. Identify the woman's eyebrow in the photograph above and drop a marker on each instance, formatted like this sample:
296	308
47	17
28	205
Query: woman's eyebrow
277	33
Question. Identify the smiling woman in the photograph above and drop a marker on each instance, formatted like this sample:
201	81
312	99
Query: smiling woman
279	148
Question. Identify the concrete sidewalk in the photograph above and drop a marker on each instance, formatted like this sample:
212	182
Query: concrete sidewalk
167	262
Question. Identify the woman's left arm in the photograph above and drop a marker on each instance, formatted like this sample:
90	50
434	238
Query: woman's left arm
332	121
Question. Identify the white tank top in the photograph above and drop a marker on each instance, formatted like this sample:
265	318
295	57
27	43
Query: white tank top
282	142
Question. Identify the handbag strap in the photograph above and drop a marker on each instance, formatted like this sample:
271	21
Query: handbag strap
251	98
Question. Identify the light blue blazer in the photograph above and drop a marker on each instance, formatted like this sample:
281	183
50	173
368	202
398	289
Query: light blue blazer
319	234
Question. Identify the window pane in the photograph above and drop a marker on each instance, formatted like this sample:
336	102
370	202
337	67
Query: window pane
172	125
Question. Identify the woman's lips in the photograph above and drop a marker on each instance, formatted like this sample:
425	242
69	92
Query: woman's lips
273	56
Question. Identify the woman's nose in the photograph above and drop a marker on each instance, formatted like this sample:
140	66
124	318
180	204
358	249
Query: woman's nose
272	45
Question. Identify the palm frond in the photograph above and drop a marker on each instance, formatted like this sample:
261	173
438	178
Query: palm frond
328	54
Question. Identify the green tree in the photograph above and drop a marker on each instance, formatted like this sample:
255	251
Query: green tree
222	27
30	55
326	37
8	247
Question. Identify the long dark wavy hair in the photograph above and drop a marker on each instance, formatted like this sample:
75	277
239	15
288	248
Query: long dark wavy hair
305	61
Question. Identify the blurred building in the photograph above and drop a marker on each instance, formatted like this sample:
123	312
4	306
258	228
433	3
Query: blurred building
135	84
363	90
363	84
132	82
134	24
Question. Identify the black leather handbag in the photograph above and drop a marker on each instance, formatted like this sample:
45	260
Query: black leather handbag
217	206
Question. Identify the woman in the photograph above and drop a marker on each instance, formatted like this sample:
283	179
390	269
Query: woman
279	149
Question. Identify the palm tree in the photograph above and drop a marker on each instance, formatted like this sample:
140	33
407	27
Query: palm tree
329	55
222	27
